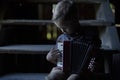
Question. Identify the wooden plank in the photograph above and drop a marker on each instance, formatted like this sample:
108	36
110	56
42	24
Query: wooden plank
26	22
95	23
45	22
55	1
25	49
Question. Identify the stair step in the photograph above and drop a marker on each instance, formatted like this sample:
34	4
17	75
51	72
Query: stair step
55	1
91	1
25	76
44	22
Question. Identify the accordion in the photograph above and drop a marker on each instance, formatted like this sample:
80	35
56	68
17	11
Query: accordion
74	55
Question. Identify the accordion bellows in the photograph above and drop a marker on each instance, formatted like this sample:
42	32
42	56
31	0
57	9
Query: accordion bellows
76	54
